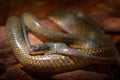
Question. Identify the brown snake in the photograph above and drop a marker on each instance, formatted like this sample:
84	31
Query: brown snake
86	43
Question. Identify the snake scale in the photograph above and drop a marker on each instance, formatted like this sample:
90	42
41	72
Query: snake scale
83	43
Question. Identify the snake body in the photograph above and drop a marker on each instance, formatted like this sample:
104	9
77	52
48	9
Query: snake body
83	51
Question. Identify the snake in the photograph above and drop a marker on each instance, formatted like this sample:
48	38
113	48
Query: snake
81	44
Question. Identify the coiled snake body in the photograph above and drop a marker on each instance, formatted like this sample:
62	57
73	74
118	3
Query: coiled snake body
86	43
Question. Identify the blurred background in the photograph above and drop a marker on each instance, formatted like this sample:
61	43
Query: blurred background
42	7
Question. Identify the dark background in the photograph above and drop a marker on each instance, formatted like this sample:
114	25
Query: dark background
42	7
